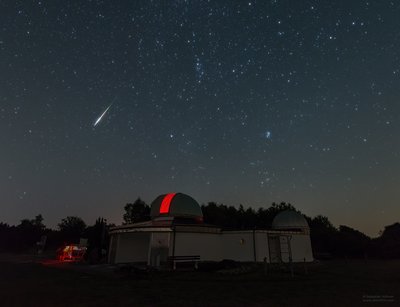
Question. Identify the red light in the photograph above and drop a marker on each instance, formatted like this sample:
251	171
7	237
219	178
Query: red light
71	253
166	202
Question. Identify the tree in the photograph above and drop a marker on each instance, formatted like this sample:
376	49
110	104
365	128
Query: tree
6	236
391	232
97	232
98	240
139	211
33	225
72	227
28	232
38	222
388	244
352	243
241	218
324	236
4	226
221	215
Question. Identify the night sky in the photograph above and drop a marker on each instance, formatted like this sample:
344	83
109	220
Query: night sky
239	102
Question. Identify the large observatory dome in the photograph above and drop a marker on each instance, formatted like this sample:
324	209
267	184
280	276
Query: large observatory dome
289	220
177	205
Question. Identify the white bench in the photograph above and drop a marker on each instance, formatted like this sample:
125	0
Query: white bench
175	259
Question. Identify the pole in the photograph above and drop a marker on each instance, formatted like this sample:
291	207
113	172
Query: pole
173	249
254	245
289	238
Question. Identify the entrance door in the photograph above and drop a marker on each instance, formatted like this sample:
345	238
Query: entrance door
159	248
274	246
113	248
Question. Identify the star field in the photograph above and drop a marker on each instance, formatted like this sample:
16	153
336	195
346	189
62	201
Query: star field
240	102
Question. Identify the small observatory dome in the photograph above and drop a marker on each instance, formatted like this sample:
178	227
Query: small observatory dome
176	205
289	220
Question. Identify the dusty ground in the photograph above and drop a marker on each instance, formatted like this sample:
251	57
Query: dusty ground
24	282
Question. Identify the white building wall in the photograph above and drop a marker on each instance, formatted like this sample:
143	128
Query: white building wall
206	245
234	245
301	248
262	250
237	246
132	247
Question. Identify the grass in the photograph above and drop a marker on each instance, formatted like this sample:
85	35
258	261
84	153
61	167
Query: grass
334	283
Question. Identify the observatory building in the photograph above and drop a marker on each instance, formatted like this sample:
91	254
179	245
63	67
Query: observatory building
176	231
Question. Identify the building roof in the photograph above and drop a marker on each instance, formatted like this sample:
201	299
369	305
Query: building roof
164	225
176	205
289	219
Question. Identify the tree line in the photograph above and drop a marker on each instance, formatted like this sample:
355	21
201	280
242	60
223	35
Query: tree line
31	233
327	240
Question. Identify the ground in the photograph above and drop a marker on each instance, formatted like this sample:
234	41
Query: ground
30	282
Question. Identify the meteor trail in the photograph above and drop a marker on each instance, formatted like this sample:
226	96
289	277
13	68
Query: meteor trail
101	116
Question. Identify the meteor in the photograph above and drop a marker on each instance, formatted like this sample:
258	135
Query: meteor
101	116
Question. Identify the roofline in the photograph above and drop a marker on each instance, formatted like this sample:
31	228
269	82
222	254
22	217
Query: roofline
142	225
142	229
215	230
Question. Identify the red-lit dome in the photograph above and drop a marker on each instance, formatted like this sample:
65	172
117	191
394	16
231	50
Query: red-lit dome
176	205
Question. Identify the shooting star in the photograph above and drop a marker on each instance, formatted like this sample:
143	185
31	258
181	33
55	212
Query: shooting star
102	115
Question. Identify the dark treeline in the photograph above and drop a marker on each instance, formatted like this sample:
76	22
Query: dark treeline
30	234
327	240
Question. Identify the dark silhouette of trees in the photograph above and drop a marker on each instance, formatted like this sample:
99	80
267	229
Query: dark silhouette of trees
139	211
98	240
6	237
221	215
326	239
390	241
35	225
352	243
30	231
388	244
323	235
391	232
228	217
72	228
4	226
23	236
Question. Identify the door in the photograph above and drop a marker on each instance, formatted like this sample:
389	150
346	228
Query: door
274	246
159	248
113	248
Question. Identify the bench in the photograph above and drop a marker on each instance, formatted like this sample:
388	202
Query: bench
175	259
